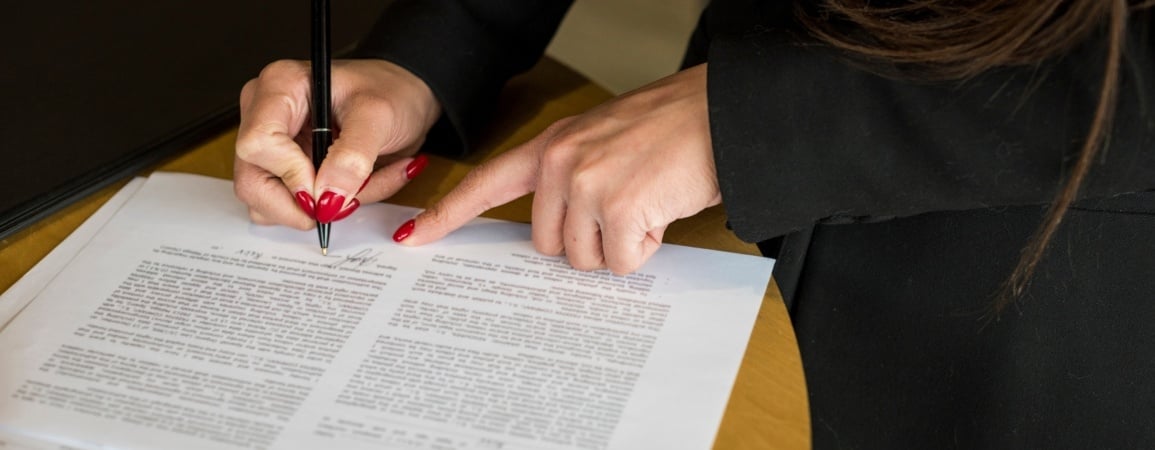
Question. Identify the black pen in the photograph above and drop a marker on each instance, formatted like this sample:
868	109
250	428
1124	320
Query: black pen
322	133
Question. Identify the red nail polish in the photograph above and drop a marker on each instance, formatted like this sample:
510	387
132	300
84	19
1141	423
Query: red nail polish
404	231
305	201
416	166
366	183
328	206
348	210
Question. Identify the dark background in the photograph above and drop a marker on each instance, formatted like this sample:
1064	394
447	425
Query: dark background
92	92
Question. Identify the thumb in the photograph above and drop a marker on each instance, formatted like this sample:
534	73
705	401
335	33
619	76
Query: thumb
367	130
497	182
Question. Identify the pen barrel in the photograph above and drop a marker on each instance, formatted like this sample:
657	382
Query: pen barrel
322	139
320	58
322	97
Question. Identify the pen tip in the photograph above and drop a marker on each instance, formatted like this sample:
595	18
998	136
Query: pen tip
324	251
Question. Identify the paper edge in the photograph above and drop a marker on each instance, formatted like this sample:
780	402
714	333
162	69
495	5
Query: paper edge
21	293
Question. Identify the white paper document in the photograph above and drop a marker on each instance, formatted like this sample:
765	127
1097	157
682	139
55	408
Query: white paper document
180	325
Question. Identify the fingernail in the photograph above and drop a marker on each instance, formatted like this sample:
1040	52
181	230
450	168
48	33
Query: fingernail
366	183
328	206
404	231
305	201
348	210
416	166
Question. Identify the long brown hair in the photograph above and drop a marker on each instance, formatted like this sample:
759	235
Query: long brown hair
958	39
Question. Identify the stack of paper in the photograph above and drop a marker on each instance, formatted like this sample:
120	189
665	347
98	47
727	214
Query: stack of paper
169	321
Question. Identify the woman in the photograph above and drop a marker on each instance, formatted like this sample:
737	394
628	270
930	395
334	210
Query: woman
959	193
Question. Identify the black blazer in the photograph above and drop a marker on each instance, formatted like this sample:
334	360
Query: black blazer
895	209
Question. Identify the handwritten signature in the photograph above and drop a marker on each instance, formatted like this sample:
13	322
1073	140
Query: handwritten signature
251	254
359	259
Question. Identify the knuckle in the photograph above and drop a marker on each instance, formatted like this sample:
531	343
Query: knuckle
254	146
623	266
554	158
281	67
578	263
435	216
560	125
247	92
550	247
246	147
585	265
565	144
258	142
562	148
243	193
302	225
585	181
291	175
256	217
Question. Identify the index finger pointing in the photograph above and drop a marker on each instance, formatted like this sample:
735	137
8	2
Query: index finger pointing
494	183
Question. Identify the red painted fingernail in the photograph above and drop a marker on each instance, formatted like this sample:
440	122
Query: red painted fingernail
348	210
305	201
366	183
404	231
416	166
328	206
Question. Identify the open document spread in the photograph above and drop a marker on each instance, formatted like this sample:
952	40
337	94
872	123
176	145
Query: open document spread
179	324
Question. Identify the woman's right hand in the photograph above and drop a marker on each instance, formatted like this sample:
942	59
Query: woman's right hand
381	113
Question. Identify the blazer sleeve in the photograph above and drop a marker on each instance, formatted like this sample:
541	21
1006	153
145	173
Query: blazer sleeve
465	50
802	136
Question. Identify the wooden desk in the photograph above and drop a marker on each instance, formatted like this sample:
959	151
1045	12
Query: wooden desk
768	407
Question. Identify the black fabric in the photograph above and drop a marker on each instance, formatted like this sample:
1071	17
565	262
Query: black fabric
902	205
801	136
901	349
465	50
895	209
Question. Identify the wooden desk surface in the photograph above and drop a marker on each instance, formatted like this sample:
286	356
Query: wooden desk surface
768	407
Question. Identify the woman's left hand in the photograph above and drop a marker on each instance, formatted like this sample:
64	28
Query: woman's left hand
608	182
